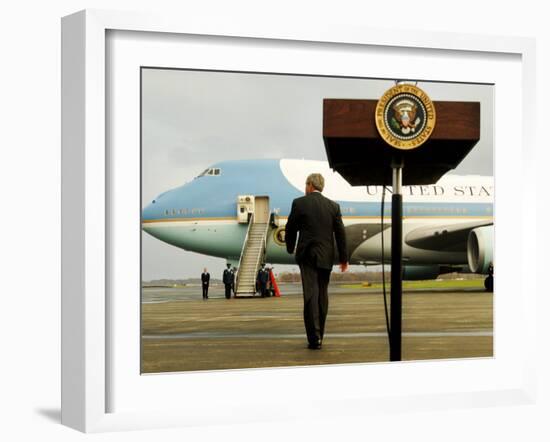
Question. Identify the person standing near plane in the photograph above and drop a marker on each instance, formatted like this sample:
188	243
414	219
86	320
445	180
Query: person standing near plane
263	277
228	280
205	279
319	222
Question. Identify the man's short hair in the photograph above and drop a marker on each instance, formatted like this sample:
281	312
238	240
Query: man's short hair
317	181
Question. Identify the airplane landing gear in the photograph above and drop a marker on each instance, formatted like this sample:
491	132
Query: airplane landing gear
489	283
489	280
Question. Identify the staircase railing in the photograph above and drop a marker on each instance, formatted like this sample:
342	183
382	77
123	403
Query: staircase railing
250	222
261	255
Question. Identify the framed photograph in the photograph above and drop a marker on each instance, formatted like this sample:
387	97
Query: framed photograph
153	107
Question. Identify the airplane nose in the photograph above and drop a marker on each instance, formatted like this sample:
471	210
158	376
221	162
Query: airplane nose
164	218
147	215
165	207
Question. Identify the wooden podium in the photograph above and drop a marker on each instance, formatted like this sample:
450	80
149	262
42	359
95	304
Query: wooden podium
356	150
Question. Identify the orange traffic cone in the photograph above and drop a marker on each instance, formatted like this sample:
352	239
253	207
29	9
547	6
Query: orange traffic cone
274	284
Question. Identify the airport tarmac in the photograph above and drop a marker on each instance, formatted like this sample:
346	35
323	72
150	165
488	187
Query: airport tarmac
182	332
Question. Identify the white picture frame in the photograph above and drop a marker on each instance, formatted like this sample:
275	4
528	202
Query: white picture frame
86	316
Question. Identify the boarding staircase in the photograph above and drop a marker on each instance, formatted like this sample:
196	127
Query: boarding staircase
251	258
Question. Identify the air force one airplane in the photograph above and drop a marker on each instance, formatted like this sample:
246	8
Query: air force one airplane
237	210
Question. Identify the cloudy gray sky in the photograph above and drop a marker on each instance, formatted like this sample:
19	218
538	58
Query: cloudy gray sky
191	119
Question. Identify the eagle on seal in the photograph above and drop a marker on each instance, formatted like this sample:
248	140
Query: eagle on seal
405	116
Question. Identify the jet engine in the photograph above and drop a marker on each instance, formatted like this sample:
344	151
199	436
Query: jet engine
480	249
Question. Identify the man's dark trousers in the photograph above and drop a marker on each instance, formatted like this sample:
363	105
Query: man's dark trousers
228	291
315	288
204	291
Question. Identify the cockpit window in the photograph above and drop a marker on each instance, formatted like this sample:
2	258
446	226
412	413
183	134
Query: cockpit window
211	171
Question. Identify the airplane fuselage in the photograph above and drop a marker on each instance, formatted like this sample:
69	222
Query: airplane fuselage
201	216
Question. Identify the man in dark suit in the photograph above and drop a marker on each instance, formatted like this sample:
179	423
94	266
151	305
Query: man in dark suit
319	222
228	281
263	278
205	278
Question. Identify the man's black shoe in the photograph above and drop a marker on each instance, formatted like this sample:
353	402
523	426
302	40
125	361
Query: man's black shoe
315	345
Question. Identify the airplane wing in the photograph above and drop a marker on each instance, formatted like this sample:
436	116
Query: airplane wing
444	238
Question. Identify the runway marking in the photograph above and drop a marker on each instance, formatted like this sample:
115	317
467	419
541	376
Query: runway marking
208	335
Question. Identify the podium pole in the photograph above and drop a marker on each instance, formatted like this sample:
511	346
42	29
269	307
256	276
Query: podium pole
396	261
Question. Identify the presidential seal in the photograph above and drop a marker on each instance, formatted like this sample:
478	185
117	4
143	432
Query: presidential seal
405	116
279	235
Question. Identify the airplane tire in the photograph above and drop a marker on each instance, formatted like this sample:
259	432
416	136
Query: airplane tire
489	283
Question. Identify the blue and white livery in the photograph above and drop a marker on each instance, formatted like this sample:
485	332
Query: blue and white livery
446	226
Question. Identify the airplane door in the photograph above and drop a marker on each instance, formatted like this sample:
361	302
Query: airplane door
261	209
